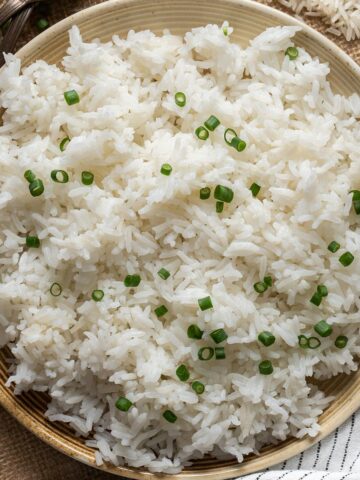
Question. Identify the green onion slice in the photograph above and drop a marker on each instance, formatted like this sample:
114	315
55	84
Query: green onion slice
255	189
71	97
161	311
132	280
205	303
32	241
198	387
333	246
59	176
87	178
323	329
313	342
260	287
170	416
223	194
265	367
292	53
316	299
183	373
163	273
219	335
30	176
211	123
56	289
42	24
206	353
346	259
303	341
97	295
322	290
123	404
180	99
205	193
341	341
36	187
219	207
64	143
266	338
194	332
220	353
166	169
202	133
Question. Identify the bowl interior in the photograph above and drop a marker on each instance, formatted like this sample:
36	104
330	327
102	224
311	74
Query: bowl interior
248	20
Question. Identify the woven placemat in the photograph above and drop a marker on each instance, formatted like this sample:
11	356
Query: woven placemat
22	455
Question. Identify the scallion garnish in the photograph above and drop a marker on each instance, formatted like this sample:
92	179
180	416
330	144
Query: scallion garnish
303	341
63	144
71	97
36	187
341	341
266	338
260	287
194	332
219	335
32	241
87	178
206	353
268	281
59	176
132	280
316	299
205	193
211	123
97	295
123	404
205	303
313	342
180	99
356	201
223	194
166	169
322	290
265	367
346	259
333	246
170	416
56	289
161	311
292	53
231	138
42	24
202	133
225	31
220	353
198	387
183	373
219	207
30	176
255	189
163	273
323	329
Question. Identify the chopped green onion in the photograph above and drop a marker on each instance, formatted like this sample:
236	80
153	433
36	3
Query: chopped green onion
238	144
161	311
313	342
223	194
323	328
211	123
97	295
356	201
205	193
265	367
163	273
346	259
205	303
266	338
87	178
322	290
170	416
205	353
220	353
219	335
333	246
219	207
132	280
255	189
55	289
183	373
166	169
71	97
30	176
59	176
229	135
225	31
292	53
32	241
316	299
268	281
63	144
202	133
36	187
260	287
303	341
194	332
341	341
42	24
123	404
198	387
180	99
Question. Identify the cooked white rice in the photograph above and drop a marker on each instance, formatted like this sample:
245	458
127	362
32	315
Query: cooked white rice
303	148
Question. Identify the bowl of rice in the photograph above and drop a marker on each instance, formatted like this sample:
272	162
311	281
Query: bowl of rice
180	242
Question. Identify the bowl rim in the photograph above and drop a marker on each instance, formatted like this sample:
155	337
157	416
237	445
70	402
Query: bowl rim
42	427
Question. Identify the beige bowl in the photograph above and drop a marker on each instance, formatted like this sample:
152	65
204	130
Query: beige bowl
248	19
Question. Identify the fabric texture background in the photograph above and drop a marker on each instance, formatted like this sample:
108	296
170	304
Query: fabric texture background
24	457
